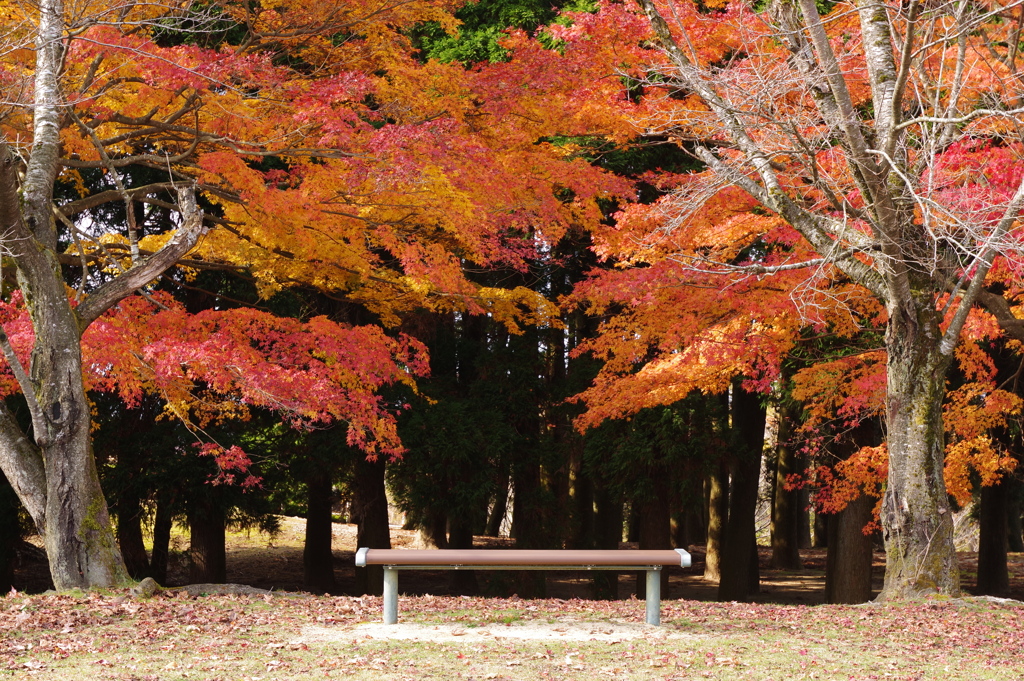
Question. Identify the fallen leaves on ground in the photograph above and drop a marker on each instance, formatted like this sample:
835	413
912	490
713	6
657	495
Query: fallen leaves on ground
118	637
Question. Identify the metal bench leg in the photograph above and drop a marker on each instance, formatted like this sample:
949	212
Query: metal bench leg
390	596
654	597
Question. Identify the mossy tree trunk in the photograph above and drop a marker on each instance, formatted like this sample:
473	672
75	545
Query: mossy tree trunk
916	517
52	469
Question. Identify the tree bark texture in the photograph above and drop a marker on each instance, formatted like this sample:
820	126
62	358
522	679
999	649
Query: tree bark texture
1014	527
370	511
739	552
317	556
9	534
916	518
607	535
129	535
498	511
207	550
528	523
785	532
993	543
804	513
717	484
850	552
163	520
655	524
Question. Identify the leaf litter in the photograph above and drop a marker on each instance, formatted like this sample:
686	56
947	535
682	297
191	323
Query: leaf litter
114	636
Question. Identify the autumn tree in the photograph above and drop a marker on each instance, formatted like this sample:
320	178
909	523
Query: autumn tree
324	153
881	135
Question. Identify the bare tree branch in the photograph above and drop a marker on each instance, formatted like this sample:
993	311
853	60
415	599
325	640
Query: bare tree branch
147	269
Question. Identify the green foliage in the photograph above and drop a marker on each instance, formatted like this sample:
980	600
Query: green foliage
484	24
204	24
682	440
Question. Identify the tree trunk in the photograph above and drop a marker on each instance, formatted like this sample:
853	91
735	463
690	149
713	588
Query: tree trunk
820	531
690	526
739	552
497	517
435	529
370	511
655	525
848	563
1014	527
607	536
993	544
9	534
804	512
207	543
584	529
460	536
129	535
528	526
53	471
317	554
916	517
785	511
162	522
718	517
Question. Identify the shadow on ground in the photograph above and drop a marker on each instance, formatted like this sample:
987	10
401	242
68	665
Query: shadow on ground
276	563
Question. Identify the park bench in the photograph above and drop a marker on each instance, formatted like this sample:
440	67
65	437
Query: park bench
394	560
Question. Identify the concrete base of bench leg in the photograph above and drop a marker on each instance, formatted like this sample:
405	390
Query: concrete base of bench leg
654	597
390	596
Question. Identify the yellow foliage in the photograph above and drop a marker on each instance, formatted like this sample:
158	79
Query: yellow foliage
979	454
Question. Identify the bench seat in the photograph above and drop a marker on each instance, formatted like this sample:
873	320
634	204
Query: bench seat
392	560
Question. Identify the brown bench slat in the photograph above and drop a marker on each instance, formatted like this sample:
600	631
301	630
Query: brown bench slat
521	557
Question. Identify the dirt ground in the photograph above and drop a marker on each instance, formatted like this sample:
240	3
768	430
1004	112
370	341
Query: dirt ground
275	562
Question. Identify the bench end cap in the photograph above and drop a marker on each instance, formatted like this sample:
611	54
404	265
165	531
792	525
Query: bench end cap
684	557
361	557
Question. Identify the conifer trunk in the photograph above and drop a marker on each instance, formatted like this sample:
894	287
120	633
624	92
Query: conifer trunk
162	523
607	535
317	556
850	553
993	544
1014	527
498	512
129	534
370	511
655	528
527	525
9	533
785	509
739	553
207	545
717	484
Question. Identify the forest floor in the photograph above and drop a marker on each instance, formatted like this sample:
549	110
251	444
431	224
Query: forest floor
114	636
274	562
117	636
